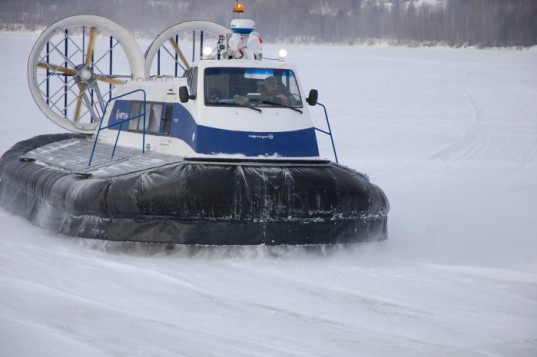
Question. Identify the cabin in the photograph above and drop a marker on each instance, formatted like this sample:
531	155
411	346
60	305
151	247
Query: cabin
221	106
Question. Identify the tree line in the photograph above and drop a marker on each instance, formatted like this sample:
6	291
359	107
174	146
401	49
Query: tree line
482	23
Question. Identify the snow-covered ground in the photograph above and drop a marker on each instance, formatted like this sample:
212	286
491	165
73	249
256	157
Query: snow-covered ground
450	135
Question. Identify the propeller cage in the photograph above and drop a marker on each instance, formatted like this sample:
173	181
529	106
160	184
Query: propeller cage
77	62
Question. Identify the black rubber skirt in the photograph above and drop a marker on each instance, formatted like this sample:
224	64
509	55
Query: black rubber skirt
197	202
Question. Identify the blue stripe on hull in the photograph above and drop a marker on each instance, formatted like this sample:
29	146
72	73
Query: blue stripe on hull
299	143
206	140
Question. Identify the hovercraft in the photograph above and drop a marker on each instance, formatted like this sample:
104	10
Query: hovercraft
217	150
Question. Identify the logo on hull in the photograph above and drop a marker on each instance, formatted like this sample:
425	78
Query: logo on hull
261	137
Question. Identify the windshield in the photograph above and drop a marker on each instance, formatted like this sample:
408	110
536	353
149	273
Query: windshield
254	87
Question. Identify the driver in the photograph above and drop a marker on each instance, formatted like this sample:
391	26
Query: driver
272	92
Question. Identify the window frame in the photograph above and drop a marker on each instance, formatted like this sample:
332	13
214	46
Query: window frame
231	87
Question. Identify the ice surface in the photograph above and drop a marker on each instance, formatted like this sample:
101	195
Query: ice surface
450	135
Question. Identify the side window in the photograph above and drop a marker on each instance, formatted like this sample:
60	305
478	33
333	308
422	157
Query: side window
166	119
158	118
192	80
154	117
136	110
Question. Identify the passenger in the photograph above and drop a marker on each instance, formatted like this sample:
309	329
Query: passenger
213	96
215	88
272	92
241	100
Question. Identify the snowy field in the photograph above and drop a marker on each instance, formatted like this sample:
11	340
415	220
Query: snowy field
450	135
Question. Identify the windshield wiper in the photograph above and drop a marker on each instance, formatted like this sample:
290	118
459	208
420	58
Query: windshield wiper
235	104
245	102
250	107
279	105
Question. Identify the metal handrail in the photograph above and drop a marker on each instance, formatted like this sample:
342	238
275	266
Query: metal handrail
120	123
329	132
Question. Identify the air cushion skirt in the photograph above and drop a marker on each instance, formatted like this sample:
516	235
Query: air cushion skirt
196	201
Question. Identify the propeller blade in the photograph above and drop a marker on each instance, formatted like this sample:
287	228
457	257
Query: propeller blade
91	45
73	72
179	53
78	108
56	68
109	80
